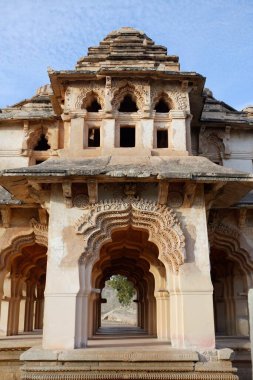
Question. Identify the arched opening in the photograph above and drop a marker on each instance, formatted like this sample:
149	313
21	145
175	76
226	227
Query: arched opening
118	306
230	285
42	143
129	254
141	240
162	106
128	104
94	106
23	291
91	103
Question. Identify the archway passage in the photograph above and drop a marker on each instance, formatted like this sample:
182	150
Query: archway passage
129	253
230	282
22	306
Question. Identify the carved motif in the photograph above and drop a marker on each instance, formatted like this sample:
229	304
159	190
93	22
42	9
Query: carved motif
160	221
40	232
214	143
138	90
178	99
175	199
91	87
81	201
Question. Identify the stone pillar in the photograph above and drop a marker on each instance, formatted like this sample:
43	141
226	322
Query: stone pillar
29	306
38	323
108	136
14	305
62	280
179	134
21	323
191	290
147	134
4	316
250	302
163	315
76	138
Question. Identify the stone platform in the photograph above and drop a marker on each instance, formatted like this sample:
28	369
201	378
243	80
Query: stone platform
123	353
135	356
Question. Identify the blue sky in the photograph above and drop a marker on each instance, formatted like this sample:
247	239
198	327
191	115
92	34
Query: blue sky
212	37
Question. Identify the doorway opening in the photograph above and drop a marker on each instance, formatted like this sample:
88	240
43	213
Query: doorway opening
118	306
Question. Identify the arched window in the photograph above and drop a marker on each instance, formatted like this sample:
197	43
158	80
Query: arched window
94	106
42	143
128	105
162	106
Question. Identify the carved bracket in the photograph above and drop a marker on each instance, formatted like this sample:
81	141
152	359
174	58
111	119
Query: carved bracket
67	193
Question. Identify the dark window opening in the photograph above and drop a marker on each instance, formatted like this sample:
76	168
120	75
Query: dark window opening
94	137
127	137
128	105
37	162
42	143
162	106
162	139
94	106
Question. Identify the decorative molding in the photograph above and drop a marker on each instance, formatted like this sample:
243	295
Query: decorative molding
40	232
91	87
161	222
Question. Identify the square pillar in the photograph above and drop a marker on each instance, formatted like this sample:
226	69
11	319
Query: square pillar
179	130
76	136
108	126
62	280
147	133
191	290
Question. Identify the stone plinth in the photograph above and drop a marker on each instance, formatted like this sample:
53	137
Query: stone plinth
126	363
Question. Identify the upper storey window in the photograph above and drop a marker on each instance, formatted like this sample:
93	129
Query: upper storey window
128	105
94	106
162	106
92	103
42	143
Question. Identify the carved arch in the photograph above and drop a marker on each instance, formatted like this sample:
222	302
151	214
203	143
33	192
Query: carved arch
178	98
85	93
227	238
37	233
89	97
162	95
127	89
32	136
159	221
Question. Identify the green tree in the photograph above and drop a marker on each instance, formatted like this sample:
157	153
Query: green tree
125	289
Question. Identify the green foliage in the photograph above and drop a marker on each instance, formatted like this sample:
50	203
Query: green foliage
125	289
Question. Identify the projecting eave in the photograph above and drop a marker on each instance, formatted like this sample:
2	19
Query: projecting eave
234	184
